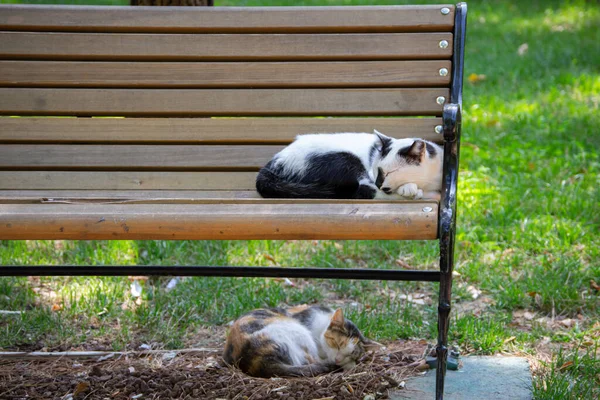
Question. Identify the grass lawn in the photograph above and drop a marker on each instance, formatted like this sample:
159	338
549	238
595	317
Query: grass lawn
528	243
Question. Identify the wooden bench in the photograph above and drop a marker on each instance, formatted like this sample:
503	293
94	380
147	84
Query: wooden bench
209	96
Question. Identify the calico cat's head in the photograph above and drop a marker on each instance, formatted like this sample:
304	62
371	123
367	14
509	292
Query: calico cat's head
344	343
409	161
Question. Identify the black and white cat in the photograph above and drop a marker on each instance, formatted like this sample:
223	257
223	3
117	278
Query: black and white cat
353	166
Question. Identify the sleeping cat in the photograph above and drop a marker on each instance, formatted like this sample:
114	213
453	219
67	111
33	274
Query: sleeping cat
353	166
299	341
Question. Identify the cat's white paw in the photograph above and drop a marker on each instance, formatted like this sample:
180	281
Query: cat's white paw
410	190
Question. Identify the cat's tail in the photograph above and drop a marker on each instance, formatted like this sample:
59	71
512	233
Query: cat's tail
271	185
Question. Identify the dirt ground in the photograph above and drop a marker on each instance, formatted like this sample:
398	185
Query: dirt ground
199	375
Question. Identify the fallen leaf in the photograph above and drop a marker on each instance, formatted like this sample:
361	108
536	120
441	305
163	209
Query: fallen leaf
567	322
473	291
81	388
56	307
594	285
403	264
522	50
138	278
270	258
475	78
528	315
565	365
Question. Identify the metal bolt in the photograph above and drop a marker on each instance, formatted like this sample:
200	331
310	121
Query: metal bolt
439	129
440	100
427	209
445	11
443	44
443	71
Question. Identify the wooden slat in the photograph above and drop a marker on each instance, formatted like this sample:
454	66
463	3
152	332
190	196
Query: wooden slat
202	130
132	157
226	47
224	74
211	102
226	19
163	197
218	221
133	180
104	196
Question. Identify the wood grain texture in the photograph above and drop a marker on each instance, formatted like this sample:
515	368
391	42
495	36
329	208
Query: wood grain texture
95	196
227	19
133	180
226	47
103	196
224	74
213	102
203	130
218	221
135	157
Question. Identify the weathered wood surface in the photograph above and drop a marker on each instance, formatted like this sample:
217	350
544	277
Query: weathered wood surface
215	102
226	47
135	157
95	196
169	3
118	196
224	74
411	18
133	180
218	221
203	130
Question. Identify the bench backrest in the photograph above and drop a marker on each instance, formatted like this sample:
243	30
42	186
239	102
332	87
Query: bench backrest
168	69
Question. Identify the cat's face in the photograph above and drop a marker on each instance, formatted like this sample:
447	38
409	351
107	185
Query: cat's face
409	161
344	343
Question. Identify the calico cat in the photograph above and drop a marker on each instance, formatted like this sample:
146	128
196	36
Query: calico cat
353	166
299	341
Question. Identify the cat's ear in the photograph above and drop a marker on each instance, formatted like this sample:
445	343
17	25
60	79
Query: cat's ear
385	142
337	320
417	149
382	138
371	345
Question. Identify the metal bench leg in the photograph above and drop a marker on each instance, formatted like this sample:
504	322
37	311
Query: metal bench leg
443	320
447	226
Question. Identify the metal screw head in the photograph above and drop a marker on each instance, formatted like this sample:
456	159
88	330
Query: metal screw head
427	209
443	71
445	11
443	44
439	129
440	100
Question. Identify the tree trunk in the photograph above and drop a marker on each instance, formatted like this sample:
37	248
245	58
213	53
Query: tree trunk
171	2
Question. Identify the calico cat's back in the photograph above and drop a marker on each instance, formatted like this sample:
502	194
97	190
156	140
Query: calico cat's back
298	341
263	343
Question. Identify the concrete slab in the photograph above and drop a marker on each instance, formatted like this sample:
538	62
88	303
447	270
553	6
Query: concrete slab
485	378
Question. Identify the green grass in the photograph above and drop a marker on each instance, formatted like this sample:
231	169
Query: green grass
528	225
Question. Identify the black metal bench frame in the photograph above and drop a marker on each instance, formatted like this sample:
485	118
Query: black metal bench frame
446	223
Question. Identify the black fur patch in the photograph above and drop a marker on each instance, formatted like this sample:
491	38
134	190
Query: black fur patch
253	326
304	316
372	153
387	146
333	175
408	156
431	149
380	178
352	329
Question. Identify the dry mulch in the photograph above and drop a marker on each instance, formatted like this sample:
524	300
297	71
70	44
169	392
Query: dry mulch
200	376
